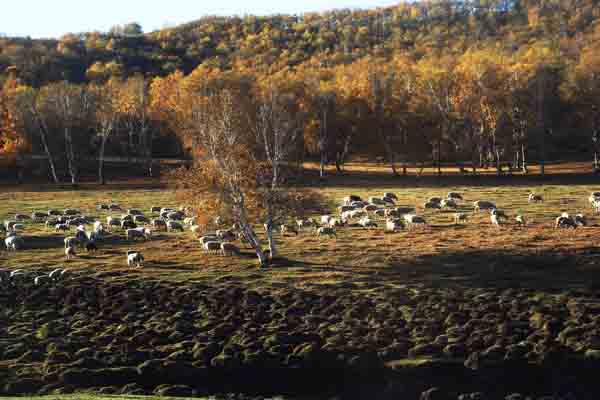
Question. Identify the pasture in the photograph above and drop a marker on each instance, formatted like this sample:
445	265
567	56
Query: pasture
470	296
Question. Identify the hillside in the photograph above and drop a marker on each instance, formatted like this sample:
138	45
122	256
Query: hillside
335	37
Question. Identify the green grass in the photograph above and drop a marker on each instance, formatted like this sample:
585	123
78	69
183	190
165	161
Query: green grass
441	252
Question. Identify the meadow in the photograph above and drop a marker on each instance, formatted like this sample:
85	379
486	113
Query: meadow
367	306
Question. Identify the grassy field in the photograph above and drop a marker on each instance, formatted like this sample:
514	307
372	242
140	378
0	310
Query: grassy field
441	292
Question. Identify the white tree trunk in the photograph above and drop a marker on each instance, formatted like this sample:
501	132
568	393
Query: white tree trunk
101	159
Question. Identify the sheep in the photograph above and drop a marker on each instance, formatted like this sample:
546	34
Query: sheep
127	224
38	280
113	221
71	212
454	196
301	223
594	197
195	229
54	213
483	205
335	222
498	213
211	246
21	217
359	204
140	219
404	210
38	216
176	216
288	229
434	200
388	201
81	236
377	201
98	228
114	207
71	241
448	203
228	249
218	220
460	217
535	198
174	226
326	231
9	225
101	207
155	210
61	227
346	215
58	273
126	217
134	212
432	205
357	214
380	212
136	233
159	223
343	209
412	219
190	221
367	222
564	222
51	222
135	258
14	243
394	225
580	220
70	252
18	227
520	220
325	219
167	210
390	196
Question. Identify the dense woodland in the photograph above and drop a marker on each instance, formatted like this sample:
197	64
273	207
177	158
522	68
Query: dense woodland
471	83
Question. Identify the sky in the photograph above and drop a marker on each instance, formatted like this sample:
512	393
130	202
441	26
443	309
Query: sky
54	18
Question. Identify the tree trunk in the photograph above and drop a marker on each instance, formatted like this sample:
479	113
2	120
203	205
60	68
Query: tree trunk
271	241
439	157
70	156
251	237
595	160
523	160
49	155
101	159
497	156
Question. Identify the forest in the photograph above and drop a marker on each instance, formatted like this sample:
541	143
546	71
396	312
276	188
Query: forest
473	84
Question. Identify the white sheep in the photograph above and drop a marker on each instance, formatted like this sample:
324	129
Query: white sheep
208	238
174	226
155	210
394	225
448	203
535	198
335	222
580	220
71	211
113	221
434	200
348	200
377	201
325	219
195	229
483	205
176	216
218	220
135	258
342	209
14	243
158	223
357	214
288	229
370	208
70	252
380	212
432	205
228	249
326	231
39	216
460	217
61	227
190	221
54	213
367	222
211	246
495	220
412	220
520	220
71	241
21	217
140	219
134	212
390	195
565	222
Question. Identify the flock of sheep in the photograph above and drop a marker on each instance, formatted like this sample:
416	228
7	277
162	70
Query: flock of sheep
353	212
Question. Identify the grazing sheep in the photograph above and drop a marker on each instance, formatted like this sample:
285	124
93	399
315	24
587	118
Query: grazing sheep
155	210
91	247
21	217
61	227
359	204
483	205
167	210
113	221
348	200
346	215
390	196
594	198
325	219
288	229
38	216
81	236
460	217
388	200
326	231
211	247
103	207
140	219
54	213
498	213
174	226
135	258
14	243
190	221
520	220
335	222
343	209
301	223
71	212
92	236
434	200
18	227
138	233
380	212
159	223
454	196
432	205
377	201
208	238
228	249
580	220
9	225
564	222
176	216
50	222
195	229
448	203
127	224
98	228
126	217
412	219
394	225
57	273
367	222
134	212
535	198
114	207
38	280
70	252
357	214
